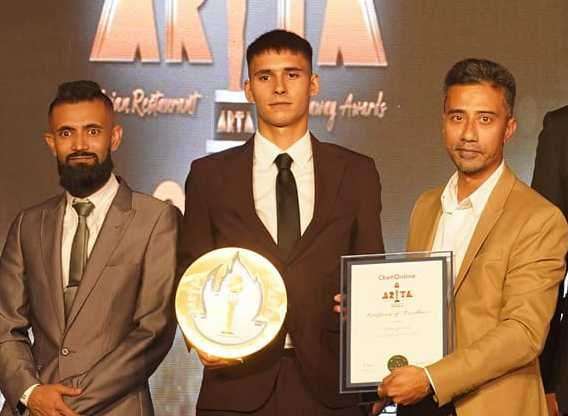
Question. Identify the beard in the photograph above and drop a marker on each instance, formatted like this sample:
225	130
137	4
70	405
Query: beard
83	180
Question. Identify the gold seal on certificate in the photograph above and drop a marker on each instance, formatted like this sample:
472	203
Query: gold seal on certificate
231	303
397	361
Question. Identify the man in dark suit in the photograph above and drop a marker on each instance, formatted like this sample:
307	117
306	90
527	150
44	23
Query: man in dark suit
551	180
301	204
91	272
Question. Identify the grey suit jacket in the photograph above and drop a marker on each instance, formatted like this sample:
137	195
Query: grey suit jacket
122	322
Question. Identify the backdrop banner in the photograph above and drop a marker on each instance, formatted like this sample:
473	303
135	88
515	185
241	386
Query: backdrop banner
174	70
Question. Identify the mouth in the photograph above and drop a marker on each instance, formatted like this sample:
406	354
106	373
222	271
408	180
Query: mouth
280	104
81	159
467	153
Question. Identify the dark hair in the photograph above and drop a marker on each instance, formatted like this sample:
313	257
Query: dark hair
280	40
78	91
477	71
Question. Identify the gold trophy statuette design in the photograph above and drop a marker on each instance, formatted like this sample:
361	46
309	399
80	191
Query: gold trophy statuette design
231	303
234	115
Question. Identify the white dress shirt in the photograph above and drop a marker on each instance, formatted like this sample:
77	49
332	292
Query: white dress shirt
264	172
459	220
101	200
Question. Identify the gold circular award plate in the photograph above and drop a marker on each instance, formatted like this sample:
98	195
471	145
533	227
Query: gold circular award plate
231	303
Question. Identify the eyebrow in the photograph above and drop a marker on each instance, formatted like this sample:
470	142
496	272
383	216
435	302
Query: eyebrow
286	69
88	126
91	125
65	127
460	111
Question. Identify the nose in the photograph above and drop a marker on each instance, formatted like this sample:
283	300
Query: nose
470	131
80	142
280	86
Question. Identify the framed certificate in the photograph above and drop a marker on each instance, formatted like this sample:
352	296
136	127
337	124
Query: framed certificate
397	310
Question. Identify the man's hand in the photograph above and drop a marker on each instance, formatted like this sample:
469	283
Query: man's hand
337	298
47	400
378	407
552	405
406	385
213	362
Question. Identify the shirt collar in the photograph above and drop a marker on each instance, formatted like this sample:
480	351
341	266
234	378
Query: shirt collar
477	200
109	188
265	151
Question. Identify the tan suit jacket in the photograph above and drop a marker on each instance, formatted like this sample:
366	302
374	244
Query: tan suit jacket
505	294
121	324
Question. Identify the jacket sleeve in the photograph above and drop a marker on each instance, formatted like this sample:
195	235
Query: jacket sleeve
196	231
534	270
368	237
130	364
17	366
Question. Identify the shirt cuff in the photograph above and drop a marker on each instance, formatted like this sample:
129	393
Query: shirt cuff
26	396
431	383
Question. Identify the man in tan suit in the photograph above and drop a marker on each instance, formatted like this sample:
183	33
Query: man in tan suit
91	272
508	245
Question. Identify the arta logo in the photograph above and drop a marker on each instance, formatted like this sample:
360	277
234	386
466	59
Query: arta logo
397	295
127	32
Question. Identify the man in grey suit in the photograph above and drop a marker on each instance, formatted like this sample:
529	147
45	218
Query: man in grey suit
91	272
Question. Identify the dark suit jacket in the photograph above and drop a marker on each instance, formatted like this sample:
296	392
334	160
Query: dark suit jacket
121	324
551	180
220	212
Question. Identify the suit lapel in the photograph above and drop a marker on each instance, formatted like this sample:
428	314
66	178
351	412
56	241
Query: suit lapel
116	222
489	217
328	173
50	239
239	193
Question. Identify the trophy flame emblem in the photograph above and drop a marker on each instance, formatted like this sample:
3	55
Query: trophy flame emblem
232	299
231	302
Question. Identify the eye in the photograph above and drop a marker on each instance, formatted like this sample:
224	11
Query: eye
65	133
93	131
457	117
264	77
293	75
485	119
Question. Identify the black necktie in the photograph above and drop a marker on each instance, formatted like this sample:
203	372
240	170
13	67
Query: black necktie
79	253
287	209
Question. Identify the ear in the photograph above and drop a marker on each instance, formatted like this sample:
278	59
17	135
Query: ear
443	121
248	92
510	129
49	139
116	137
314	85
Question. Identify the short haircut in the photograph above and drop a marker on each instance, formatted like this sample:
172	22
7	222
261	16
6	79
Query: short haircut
79	91
280	40
477	71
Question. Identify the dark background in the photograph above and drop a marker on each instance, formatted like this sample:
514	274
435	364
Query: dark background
48	42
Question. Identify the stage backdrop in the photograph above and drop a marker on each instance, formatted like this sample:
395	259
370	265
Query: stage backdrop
174	70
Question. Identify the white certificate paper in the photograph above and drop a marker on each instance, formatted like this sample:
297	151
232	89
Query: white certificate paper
395	308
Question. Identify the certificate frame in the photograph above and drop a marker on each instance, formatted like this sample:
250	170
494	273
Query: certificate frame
355	270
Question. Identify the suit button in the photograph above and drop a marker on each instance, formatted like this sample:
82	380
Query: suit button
65	352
